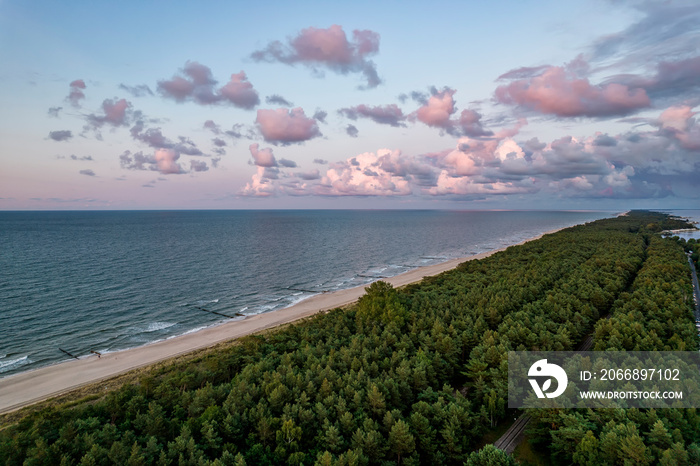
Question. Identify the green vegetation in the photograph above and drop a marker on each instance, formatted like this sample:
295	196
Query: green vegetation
410	376
692	247
654	315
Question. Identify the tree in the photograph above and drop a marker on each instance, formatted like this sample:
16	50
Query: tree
401	442
490	456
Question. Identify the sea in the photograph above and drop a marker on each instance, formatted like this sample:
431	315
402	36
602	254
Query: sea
76	282
691	215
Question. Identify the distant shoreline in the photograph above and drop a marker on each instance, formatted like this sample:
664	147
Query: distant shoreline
26	388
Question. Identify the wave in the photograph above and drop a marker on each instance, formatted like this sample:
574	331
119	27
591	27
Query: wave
202	302
12	363
155	326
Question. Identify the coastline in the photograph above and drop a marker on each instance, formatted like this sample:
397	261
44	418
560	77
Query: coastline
26	388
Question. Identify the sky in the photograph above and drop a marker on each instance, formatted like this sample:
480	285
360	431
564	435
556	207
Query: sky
585	105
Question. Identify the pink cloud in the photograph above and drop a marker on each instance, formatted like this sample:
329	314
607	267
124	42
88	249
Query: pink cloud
166	161
76	93
197	83
178	88
558	92
438	110
162	160
363	176
470	124
460	163
239	91
114	113
679	122
262	157
679	117
328	48
467	186
386	115
259	185
286	126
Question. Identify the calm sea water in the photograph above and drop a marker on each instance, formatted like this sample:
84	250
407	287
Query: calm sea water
692	215
107	281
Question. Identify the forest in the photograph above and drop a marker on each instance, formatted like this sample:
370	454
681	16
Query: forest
416	375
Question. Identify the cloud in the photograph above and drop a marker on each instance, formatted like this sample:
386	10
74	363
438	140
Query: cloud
262	157
437	112
87	172
284	126
236	131
287	163
320	115
470	124
166	161
276	99
198	166
219	142
61	135
659	162
438	109
320	161
309	176
139	90
211	126
676	77
239	91
558	91
663	29
154	138
605	140
54	111
114	113
525	72
678	122
83	158
386	115
363	175
260	185
76	93
327	49
465	186
196	83
671	80
352	131
163	161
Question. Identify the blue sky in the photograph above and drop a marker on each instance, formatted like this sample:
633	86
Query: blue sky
466	105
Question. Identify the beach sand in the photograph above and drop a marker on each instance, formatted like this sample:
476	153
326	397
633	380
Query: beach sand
30	387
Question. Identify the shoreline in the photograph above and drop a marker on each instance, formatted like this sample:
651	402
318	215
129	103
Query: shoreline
30	387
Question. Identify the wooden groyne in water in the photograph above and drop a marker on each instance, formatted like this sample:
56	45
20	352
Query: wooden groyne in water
237	314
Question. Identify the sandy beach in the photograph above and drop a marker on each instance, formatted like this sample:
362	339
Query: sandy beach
30	387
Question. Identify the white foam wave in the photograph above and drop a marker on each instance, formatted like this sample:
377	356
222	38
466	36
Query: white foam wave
12	363
196	329
297	299
155	326
202	302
